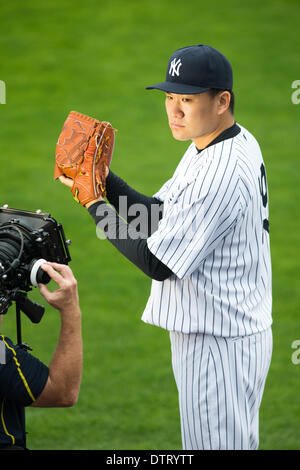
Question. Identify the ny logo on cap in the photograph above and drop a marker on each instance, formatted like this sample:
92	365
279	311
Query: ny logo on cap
174	67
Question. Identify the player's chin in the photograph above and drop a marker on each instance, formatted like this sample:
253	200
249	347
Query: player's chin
179	134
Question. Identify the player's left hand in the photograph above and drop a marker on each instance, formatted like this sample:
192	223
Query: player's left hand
69	182
83	165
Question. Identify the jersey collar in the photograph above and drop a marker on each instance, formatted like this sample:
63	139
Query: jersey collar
227	134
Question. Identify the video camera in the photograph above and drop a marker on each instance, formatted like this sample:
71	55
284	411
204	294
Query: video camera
27	240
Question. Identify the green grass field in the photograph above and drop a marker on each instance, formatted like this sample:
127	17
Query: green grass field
96	57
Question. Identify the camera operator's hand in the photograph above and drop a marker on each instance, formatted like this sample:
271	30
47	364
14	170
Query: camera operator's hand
66	297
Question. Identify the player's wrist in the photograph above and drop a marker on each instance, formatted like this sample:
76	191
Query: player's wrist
94	201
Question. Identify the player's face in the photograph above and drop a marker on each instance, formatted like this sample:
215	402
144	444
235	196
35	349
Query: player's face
191	116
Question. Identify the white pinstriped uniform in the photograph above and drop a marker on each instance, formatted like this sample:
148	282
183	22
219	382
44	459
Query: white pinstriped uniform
217	306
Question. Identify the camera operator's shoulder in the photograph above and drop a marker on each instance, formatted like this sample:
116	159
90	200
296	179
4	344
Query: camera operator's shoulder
6	341
6	349
13	351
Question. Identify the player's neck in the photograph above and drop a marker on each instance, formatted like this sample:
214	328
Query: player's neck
204	140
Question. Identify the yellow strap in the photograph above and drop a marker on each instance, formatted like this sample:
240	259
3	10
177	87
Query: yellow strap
4	427
19	369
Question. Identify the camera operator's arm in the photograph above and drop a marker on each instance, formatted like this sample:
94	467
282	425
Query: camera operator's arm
62	386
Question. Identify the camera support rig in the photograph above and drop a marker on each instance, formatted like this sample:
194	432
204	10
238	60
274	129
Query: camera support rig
33	310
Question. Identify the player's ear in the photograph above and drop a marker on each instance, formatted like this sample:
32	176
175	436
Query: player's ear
223	101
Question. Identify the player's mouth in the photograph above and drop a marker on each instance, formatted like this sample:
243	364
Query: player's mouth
175	125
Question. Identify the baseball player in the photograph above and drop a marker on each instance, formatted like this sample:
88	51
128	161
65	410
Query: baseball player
208	254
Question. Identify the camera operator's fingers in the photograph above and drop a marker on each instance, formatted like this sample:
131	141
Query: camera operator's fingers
66	181
65	298
52	273
63	269
44	291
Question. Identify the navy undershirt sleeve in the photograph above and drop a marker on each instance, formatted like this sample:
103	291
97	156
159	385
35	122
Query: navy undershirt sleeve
134	248
124	198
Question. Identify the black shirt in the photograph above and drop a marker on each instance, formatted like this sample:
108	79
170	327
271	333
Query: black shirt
22	379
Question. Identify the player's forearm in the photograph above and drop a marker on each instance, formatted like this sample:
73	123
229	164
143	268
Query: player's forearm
129	242
123	197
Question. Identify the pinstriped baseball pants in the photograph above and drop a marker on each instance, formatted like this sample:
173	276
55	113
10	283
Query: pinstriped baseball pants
220	384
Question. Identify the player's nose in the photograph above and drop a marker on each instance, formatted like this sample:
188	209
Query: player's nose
175	110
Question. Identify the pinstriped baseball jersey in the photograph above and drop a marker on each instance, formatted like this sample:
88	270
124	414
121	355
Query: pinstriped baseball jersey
214	236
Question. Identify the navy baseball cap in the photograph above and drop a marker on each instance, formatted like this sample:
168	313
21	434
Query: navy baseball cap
196	69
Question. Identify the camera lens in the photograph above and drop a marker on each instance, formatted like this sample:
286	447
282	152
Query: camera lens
42	277
9	248
37	274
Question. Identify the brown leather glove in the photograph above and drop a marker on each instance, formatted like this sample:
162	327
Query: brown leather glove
83	153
